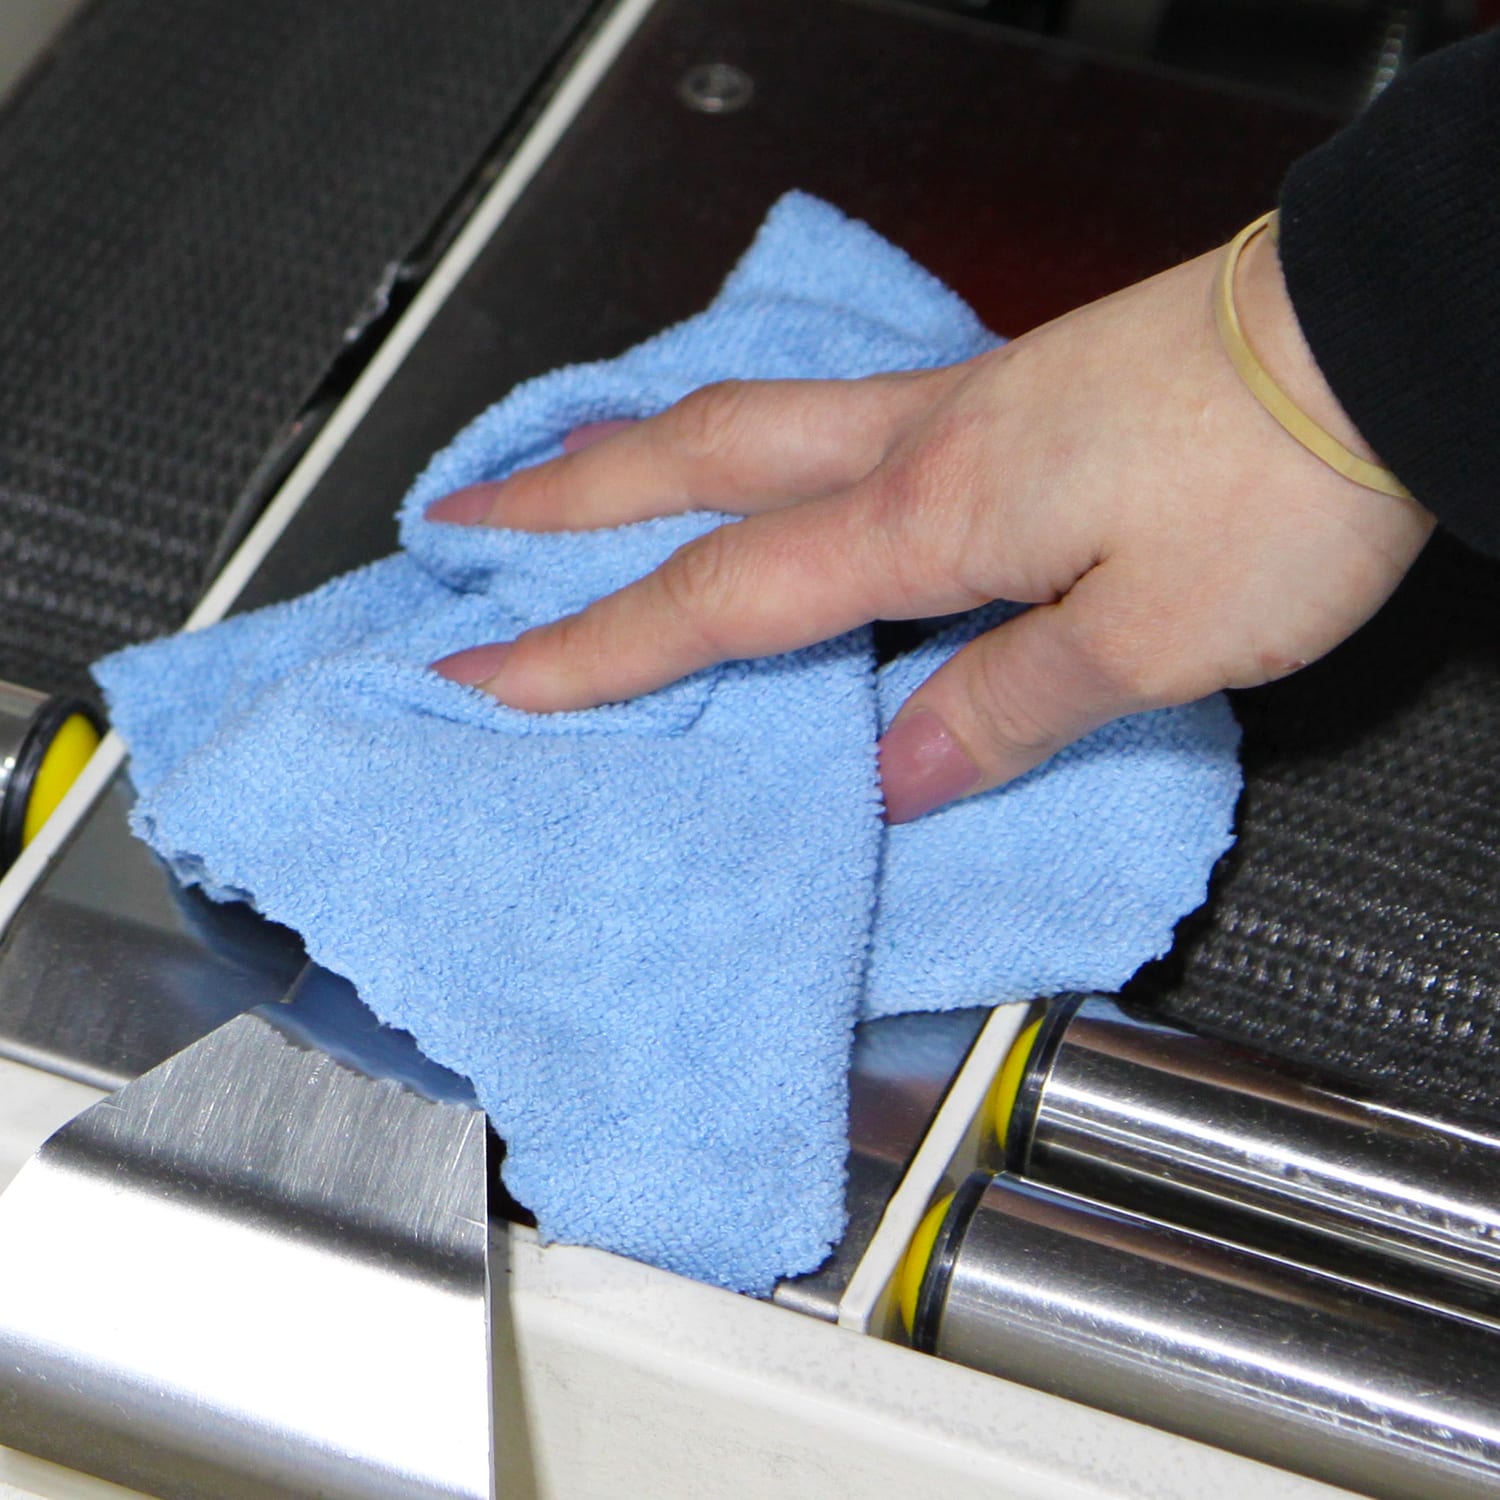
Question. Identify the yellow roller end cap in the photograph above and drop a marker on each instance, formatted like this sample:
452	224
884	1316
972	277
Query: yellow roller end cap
918	1257
67	755
1008	1081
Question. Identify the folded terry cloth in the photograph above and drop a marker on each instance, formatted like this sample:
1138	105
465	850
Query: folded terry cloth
645	931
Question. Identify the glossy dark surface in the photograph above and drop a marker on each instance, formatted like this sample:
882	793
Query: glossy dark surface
1030	176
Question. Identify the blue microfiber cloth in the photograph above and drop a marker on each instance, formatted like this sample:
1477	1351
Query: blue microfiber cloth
645	931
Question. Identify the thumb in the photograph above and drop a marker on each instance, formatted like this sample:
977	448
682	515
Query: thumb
1004	704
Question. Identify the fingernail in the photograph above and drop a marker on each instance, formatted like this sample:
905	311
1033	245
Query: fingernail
464	507
922	766
591	433
475	666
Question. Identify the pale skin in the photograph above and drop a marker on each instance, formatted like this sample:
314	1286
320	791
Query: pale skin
1108	467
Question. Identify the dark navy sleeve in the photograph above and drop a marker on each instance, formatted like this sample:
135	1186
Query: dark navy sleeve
1390	244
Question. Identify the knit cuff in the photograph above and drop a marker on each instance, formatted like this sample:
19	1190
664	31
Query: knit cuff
1390	244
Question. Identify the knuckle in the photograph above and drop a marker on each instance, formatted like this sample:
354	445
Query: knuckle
886	544
574	637
923	478
698	582
705	424
542	491
914	533
1008	726
544	671
547	495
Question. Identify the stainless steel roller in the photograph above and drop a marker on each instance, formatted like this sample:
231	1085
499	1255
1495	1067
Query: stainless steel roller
1204	1134
1210	1341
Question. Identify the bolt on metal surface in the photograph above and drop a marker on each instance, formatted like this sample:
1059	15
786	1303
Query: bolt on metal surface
716	88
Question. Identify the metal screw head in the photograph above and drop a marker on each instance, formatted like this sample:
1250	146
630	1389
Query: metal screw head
716	88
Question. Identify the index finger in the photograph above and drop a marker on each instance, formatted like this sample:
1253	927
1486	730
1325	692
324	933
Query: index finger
758	587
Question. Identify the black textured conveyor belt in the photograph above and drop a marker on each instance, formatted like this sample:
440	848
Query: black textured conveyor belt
196	202
1356	924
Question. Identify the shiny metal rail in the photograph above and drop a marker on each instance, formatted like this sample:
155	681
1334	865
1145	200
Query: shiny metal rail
259	1272
1214	1342
1196	1131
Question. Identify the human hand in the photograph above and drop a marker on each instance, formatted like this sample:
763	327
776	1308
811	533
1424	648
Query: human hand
1108	468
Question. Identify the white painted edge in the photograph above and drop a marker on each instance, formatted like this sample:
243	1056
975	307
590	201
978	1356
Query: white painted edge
635	1382
23	1477
34	1104
554	120
950	1151
574	91
30	28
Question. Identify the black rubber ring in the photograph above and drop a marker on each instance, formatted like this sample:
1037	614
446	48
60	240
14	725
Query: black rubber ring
1029	1096
945	1248
40	733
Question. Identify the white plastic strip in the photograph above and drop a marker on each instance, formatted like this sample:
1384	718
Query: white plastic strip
23	1477
572	94
33	1104
950	1151
559	114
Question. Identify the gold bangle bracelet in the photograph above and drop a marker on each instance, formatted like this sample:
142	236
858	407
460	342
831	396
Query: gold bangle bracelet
1315	439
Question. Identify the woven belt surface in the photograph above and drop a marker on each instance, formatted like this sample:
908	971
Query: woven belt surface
1356	923
197	201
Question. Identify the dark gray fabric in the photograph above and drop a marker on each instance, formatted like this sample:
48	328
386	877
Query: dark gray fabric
1356	924
197	199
